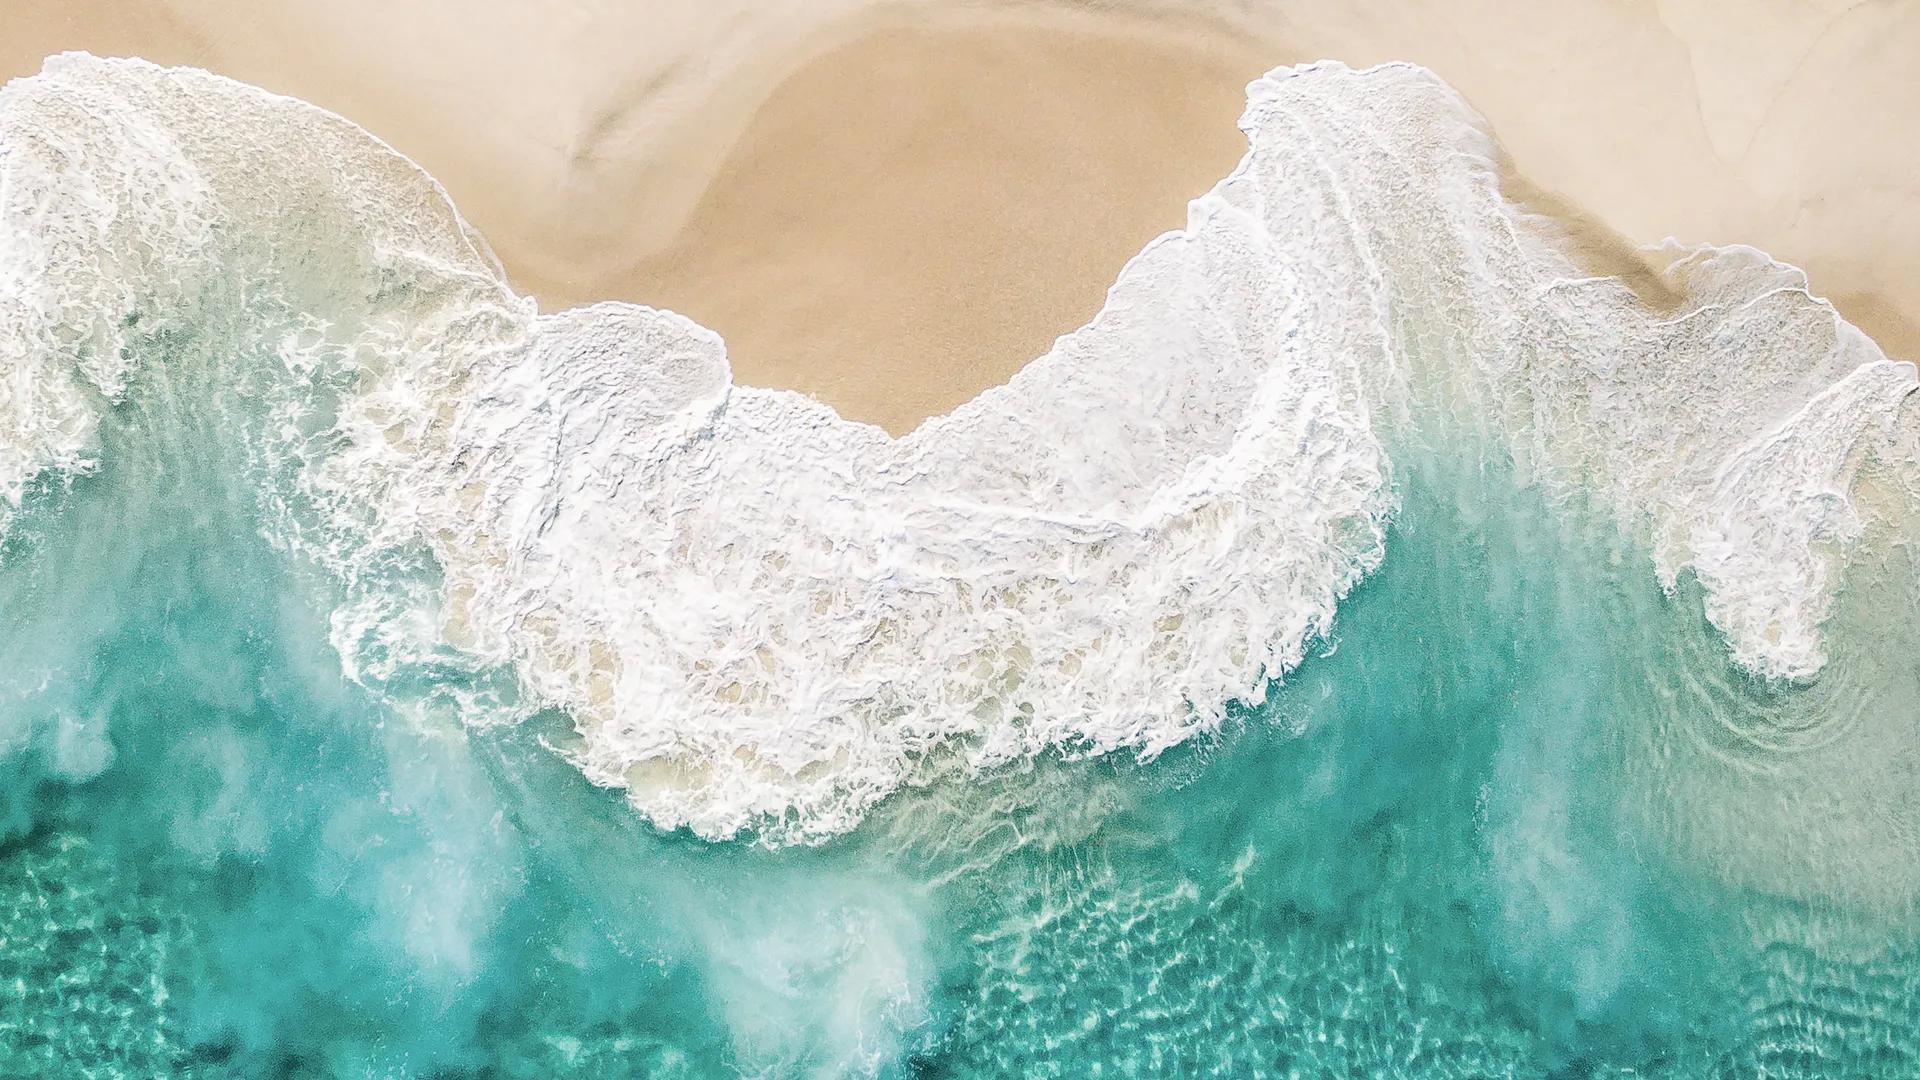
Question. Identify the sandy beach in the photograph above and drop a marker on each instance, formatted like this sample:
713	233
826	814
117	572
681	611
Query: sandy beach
896	265
893	208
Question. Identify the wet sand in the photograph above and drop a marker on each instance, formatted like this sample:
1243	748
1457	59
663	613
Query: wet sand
893	208
918	213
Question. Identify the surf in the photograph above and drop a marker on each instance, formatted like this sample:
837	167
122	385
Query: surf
762	617
1373	643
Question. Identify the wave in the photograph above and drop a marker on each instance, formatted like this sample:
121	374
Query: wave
761	616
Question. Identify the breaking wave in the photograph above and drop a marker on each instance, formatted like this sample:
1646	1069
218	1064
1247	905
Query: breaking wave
761	616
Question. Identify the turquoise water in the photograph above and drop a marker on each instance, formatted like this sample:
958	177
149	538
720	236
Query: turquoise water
292	450
1499	824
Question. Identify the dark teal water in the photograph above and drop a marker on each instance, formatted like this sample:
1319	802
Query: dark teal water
1520	817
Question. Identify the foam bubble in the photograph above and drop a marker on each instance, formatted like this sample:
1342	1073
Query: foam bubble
762	616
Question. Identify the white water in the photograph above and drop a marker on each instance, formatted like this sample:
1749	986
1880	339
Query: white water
762	615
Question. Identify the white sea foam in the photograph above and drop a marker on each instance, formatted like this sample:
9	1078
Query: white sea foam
762	615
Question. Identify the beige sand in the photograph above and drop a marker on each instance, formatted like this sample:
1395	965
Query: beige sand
915	215
869	207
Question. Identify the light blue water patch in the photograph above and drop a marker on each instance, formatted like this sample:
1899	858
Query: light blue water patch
1474	835
323	527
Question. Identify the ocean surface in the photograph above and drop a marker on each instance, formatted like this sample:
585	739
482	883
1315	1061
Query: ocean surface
1374	646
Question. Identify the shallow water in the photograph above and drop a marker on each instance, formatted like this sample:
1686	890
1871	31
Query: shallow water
1446	847
294	772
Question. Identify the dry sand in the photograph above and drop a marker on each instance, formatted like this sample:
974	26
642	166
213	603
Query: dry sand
891	208
916	214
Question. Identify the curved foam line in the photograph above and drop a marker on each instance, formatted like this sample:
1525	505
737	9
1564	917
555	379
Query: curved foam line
761	615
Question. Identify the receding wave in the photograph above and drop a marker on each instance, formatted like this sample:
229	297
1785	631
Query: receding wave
762	616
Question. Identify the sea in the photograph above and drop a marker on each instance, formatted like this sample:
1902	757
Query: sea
1376	645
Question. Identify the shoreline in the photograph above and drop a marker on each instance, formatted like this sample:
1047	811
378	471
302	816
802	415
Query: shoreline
872	264
759	172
